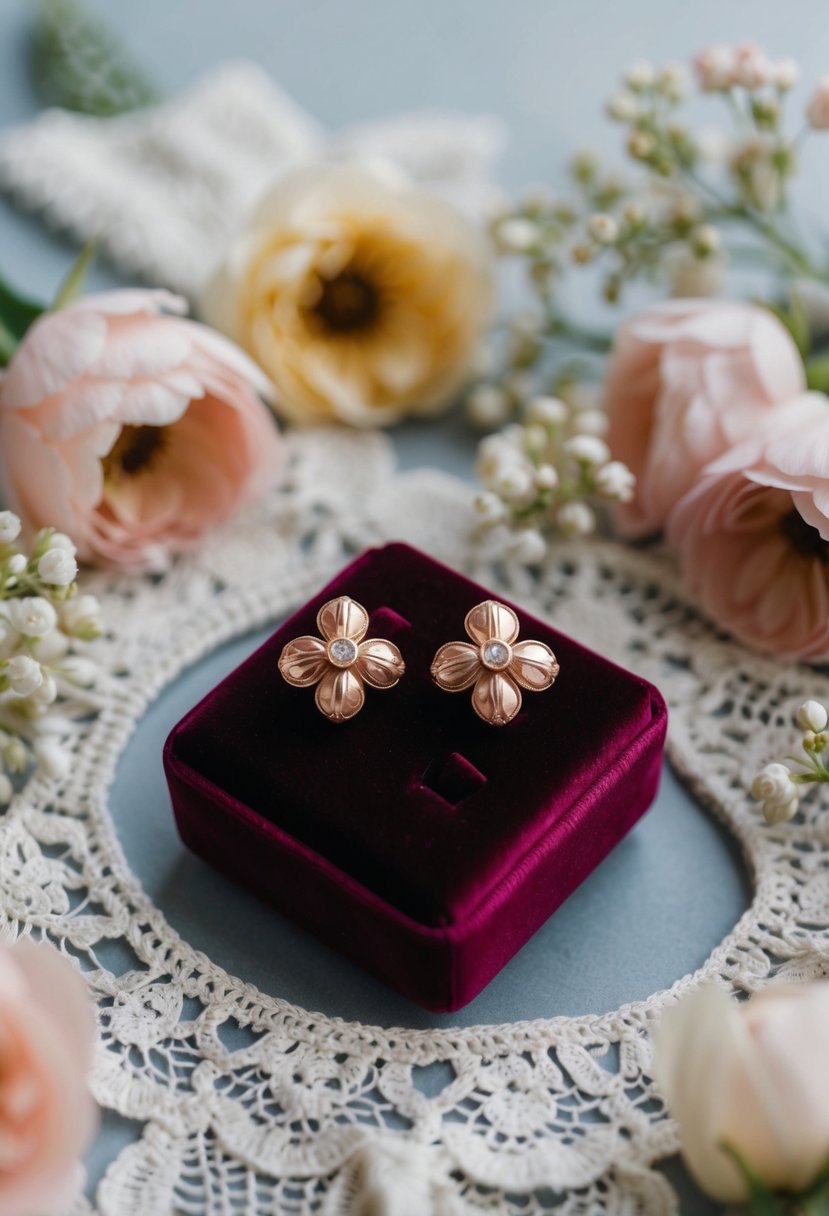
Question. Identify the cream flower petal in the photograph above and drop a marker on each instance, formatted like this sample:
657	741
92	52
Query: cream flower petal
533	666
491	620
455	666
342	618
340	694
496	698
303	661
379	663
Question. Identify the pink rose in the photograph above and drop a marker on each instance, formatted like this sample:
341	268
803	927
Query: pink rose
47	1116
133	431
753	535
687	380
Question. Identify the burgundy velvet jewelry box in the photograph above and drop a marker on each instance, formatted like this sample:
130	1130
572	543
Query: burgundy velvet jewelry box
425	844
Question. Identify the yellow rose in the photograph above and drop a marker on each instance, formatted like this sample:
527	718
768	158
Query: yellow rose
361	297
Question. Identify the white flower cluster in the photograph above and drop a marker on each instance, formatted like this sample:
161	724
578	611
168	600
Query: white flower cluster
544	475
776	786
44	627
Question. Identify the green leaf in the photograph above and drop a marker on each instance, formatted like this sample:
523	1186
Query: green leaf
17	313
796	320
71	286
761	1200
817	372
80	65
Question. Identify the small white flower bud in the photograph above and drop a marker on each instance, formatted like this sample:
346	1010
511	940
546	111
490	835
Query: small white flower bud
623	107
24	675
536	439
81	617
52	758
516	485
17	563
33	616
487	406
715	68
588	450
705	240
640	75
57	567
490	508
6	790
603	228
46	692
80	671
9	527
576	519
546	477
517	234
672	81
812	716
548	411
785	74
616	482
641	145
59	540
15	756
528	547
774	787
50	648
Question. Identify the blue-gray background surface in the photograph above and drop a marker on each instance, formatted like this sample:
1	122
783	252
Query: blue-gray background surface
662	901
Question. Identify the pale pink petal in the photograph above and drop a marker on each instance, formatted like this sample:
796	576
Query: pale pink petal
59	347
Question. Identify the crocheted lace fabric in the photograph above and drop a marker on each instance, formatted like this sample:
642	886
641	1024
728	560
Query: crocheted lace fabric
314	1114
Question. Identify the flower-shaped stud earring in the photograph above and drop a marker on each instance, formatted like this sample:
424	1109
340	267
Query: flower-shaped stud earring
341	662
496	664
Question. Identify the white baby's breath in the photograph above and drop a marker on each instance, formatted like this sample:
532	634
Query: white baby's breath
9	527
57	567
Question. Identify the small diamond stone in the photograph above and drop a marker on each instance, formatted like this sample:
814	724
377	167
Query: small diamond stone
343	650
496	654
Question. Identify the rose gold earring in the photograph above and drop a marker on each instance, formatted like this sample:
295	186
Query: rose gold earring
342	661
497	665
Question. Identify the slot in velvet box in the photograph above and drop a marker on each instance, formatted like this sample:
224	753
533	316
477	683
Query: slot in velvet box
425	844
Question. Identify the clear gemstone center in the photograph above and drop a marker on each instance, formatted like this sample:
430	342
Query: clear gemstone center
496	654
343	650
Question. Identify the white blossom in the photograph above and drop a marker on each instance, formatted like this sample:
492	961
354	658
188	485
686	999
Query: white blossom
549	411
593	422
489	507
516	484
785	74
15	757
9	527
57	567
33	616
24	675
603	228
54	759
616	481
623	107
776	790
517	234
640	75
546	477
17	563
705	240
46	692
81	616
59	540
80	671
672	81
487	406
588	450
715	68
752	67
812	716
576	519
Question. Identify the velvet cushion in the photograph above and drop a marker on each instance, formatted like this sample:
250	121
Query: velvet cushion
424	842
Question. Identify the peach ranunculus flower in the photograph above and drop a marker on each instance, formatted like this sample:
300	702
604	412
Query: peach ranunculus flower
47	1115
360	296
132	430
753	534
753	1076
687	380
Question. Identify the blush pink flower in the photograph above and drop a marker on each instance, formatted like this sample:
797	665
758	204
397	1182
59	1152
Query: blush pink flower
687	380
47	1116
753	535
132	430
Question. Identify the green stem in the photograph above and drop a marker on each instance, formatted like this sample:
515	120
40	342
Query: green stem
71	286
8	345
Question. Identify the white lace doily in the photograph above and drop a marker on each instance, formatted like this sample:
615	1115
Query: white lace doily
164	188
308	1115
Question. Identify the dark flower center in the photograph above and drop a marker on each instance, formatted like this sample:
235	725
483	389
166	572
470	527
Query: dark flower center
136	449
348	302
803	537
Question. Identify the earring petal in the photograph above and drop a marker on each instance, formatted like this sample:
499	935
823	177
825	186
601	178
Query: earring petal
455	666
303	661
342	618
496	698
490	620
533	666
379	663
340	694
